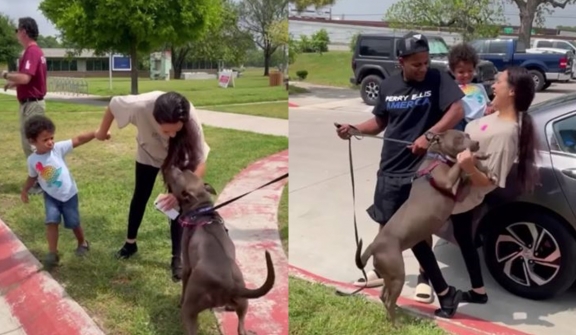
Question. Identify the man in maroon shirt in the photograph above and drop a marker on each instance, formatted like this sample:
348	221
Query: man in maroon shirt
30	80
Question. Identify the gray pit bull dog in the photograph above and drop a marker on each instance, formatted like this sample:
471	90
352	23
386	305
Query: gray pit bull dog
210	277
438	185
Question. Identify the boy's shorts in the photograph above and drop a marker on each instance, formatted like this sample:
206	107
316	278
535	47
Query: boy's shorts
461	125
56	210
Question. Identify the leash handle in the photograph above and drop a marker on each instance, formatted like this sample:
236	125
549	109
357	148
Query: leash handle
284	176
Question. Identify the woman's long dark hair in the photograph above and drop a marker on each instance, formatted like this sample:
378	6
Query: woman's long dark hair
520	80
184	149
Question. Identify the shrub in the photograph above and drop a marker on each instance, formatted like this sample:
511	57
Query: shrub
302	74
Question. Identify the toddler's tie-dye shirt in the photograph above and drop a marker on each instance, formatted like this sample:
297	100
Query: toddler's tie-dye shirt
52	172
475	101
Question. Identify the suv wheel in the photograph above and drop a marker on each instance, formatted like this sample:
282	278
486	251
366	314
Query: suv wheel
539	79
370	89
531	255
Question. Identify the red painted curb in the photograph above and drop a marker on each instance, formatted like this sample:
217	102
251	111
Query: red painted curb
291	104
461	324
253	225
37	300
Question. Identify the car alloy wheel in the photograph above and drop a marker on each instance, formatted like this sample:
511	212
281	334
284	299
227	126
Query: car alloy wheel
529	254
372	90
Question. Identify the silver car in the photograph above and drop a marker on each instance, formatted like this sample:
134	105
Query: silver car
529	239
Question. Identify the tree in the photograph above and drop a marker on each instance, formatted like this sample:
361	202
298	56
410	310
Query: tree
48	42
130	27
303	4
471	18
9	46
533	11
258	17
223	41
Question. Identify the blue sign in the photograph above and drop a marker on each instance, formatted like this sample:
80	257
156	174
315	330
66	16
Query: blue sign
121	63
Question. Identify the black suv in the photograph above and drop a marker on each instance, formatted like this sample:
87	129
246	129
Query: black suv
375	59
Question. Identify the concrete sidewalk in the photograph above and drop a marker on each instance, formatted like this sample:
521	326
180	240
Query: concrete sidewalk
256	124
321	227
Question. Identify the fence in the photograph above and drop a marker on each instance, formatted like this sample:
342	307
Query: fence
67	85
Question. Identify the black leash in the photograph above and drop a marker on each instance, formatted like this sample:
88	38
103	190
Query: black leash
284	176
358	135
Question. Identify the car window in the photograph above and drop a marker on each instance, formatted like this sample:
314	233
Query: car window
562	45
565	133
497	47
544	44
379	47
520	47
480	46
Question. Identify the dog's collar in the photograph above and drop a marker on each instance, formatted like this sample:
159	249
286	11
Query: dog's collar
198	217
442	158
427	172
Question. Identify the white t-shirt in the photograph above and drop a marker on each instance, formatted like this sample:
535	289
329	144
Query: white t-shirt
152	143
53	174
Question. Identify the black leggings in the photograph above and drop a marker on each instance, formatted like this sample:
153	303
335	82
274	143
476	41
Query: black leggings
144	184
462	224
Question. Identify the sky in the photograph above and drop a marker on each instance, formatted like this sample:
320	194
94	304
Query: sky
370	10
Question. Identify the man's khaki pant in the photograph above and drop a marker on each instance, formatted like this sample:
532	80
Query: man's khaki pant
28	110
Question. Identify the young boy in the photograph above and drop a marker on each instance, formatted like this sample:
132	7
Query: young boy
48	166
462	61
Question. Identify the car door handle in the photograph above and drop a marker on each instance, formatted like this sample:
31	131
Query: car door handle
570	173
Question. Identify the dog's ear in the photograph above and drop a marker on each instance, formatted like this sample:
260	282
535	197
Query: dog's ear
210	189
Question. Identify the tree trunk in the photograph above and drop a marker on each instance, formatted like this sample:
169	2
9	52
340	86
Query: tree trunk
527	14
267	57
134	72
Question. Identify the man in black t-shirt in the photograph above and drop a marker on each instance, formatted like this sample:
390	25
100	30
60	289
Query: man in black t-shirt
411	102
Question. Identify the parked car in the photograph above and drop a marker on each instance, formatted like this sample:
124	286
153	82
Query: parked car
529	238
375	59
545	68
553	43
557	51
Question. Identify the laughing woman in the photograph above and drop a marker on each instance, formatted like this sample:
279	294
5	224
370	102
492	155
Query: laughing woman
169	134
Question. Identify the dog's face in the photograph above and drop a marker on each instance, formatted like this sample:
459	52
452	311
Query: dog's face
451	142
188	188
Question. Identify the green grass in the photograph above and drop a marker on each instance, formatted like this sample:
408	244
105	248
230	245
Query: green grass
331	68
283	218
133	297
316	310
252	86
278	110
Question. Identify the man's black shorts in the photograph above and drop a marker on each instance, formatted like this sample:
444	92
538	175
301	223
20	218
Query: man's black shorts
390	194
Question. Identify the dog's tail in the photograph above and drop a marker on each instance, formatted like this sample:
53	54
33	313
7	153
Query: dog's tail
362	257
247	293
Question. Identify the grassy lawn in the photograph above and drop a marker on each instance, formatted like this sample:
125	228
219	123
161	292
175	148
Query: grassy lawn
315	309
277	110
133	297
252	86
283	218
332	68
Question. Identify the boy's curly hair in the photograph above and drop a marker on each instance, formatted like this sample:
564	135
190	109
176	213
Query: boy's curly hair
36	125
462	52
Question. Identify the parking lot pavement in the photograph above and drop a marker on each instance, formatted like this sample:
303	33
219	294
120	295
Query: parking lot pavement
321	230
